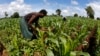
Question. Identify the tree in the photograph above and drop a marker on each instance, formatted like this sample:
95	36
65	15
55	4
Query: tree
6	14
98	18
90	12
58	11
15	15
75	15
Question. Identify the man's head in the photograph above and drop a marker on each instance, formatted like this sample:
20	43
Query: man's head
44	12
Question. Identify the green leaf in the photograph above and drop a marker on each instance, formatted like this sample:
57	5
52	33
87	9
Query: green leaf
49	52
78	53
53	41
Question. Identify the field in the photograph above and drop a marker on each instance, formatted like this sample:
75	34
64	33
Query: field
73	37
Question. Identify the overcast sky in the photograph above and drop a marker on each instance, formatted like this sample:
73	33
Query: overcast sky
68	7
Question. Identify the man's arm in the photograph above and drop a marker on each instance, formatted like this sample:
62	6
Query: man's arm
30	22
37	24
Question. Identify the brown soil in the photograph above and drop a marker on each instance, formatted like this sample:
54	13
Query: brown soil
3	51
91	39
37	54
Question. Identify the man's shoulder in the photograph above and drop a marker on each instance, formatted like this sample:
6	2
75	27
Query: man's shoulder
31	13
35	13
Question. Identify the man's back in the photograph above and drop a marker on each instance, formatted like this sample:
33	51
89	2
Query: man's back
28	16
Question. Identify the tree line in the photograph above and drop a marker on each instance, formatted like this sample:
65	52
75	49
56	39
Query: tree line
15	15
88	9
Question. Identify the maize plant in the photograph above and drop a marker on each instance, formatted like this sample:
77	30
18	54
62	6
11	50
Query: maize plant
63	38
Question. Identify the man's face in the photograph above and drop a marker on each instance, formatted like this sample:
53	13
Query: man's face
42	16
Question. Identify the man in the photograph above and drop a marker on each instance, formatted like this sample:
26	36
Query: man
30	19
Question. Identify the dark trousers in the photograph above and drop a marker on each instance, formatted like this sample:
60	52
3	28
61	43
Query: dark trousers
34	35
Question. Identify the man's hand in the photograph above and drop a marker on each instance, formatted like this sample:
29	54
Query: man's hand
44	29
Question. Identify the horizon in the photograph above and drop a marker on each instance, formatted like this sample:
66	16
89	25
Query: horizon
68	7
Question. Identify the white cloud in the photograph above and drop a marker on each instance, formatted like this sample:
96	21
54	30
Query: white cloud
20	1
16	5
67	10
46	2
74	2
70	11
96	7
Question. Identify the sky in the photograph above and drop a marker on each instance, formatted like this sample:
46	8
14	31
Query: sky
68	7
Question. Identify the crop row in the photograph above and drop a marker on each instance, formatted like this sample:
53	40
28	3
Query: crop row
63	40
